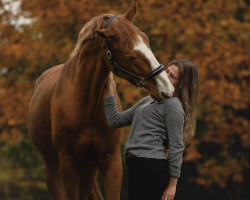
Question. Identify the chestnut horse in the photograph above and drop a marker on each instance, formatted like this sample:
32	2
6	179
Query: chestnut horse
66	115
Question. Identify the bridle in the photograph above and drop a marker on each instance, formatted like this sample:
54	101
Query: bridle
142	81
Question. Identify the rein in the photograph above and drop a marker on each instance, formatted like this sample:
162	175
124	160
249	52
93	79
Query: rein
142	81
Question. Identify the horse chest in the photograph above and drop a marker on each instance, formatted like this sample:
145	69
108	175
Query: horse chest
85	142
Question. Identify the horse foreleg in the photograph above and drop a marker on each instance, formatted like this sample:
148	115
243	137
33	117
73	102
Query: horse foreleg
95	193
70	176
53	178
111	169
89	189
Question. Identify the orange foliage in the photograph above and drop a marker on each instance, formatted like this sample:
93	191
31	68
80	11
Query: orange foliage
213	34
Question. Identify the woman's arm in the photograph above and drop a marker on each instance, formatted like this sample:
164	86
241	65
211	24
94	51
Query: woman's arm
175	123
110	86
170	190
175	118
115	118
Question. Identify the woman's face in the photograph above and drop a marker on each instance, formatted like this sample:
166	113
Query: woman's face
173	73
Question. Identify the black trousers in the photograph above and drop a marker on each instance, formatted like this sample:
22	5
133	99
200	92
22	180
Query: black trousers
148	178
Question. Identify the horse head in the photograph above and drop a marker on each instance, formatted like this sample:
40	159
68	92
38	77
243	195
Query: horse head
129	54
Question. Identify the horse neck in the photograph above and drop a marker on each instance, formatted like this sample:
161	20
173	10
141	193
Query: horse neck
90	76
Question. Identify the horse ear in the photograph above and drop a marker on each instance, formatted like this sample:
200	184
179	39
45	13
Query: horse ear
131	11
105	33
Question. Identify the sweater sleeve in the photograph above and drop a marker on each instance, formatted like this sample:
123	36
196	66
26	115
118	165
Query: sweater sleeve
116	119
175	122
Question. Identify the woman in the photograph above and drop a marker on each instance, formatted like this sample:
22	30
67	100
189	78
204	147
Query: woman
156	127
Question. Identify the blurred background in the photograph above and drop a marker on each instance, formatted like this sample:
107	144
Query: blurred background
215	34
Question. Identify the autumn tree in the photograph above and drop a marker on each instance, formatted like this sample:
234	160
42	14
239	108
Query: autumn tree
213	34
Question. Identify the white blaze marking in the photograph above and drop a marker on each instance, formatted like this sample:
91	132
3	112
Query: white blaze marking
163	83
142	47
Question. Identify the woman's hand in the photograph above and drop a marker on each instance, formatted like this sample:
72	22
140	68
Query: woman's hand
169	193
110	85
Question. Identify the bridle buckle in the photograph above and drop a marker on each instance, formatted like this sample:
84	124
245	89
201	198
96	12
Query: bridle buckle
141	84
109	54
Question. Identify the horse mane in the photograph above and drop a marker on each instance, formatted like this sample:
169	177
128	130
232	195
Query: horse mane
125	32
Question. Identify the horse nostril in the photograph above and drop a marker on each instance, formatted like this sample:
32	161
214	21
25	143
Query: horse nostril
164	95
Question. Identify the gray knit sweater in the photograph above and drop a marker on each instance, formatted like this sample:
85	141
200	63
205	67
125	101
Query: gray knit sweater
155	127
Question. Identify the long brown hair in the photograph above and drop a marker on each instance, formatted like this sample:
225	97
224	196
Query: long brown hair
187	91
